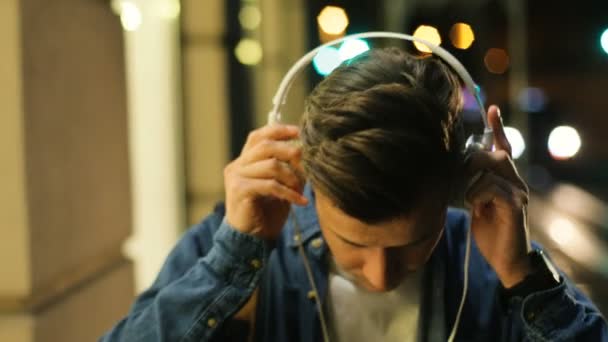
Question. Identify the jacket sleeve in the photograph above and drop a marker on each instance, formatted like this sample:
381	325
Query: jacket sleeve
208	276
562	313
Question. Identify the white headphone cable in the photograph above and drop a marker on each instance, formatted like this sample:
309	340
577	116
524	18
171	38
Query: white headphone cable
465	286
311	279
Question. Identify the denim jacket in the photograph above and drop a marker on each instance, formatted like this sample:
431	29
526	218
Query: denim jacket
214	269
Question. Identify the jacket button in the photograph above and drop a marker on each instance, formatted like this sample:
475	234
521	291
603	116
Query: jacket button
530	315
311	294
316	243
256	263
211	322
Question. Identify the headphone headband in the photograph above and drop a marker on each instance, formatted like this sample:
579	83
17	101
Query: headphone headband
281	95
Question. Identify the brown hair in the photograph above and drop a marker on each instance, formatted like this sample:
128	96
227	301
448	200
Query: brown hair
381	131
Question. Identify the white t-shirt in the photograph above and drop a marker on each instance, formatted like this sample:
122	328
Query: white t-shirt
355	314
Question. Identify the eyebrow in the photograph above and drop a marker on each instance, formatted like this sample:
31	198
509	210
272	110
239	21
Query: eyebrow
413	243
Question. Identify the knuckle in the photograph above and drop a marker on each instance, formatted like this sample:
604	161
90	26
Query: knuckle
252	135
275	165
502	155
228	170
232	187
265	144
274	185
295	152
294	182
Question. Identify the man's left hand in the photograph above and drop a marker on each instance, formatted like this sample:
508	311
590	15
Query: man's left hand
497	197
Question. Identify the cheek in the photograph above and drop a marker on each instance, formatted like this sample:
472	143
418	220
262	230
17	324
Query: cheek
407	259
421	255
413	258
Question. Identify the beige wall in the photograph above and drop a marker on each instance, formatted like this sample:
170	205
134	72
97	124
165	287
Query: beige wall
281	34
64	205
283	37
15	275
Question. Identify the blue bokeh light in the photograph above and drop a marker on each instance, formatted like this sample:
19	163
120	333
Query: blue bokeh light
604	40
352	47
326	60
329	57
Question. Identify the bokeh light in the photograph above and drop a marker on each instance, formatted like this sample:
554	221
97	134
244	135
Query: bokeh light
250	17
496	61
332	20
604	40
531	100
462	35
564	142
562	231
351	48
130	16
326	60
428	33
116	6
573	239
518	145
248	51
469	101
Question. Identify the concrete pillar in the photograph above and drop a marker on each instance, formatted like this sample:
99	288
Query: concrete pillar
205	104
153	66
65	201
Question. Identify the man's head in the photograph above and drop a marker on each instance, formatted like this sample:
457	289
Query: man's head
382	151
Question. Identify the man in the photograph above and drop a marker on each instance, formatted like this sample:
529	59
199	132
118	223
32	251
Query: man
382	155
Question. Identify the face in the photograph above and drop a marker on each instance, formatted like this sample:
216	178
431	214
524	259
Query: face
378	257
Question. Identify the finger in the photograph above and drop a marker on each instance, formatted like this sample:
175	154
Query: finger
273	169
267	149
482	180
498	162
500	138
273	188
298	167
271	132
492	187
486	199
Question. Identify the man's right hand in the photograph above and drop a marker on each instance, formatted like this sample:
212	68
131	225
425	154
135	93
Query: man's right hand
263	181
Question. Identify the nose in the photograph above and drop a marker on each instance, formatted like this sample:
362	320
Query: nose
375	270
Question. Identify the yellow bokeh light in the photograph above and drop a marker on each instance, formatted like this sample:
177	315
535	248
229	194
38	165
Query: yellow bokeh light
130	16
496	60
428	33
248	51
462	35
250	17
333	20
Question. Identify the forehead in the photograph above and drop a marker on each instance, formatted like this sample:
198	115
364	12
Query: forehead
428	219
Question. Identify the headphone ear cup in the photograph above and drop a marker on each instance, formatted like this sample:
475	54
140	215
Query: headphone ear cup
456	198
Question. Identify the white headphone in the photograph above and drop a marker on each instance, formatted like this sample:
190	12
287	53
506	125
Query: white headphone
482	141
474	142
